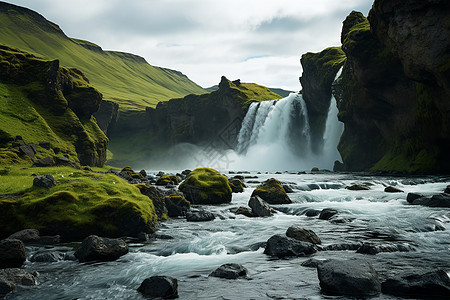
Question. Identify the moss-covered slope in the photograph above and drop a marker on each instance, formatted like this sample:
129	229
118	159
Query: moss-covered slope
124	78
42	102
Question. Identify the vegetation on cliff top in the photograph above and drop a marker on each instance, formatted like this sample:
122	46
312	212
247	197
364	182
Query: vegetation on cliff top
121	77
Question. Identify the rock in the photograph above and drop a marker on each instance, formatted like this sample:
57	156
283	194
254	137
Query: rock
391	189
167	179
206	186
368	248
259	207
281	246
312	212
355	278
301	234
327	213
62	161
18	276
27	150
236	185
342	247
199	216
26	236
358	187
45	181
94	248
5	287
12	253
354	18
242	210
164	287
287	188
230	271
44	144
430	285
157	197
47	256
177	205
311	263
272	192
413	196
45	162
129	174
143	173
447	189
439	200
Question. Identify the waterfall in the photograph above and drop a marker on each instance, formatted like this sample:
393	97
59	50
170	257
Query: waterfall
275	135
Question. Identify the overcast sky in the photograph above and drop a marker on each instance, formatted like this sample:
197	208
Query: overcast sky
254	40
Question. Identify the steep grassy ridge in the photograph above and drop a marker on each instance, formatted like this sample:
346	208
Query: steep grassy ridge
121	77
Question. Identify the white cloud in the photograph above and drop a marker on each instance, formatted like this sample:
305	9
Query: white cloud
206	39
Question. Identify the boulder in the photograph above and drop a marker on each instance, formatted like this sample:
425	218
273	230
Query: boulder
358	187
327	213
312	212
206	186
5	287
302	234
342	247
19	276
94	248
354	278
45	162
199	216
281	246
259	207
230	271
368	248
164	287
129	174
413	196
47	256
236	185
45	181
176	205
272	192
157	197
26	236
168	179
439	200
430	285
242	210
12	253
62	161
311	263
392	189
27	150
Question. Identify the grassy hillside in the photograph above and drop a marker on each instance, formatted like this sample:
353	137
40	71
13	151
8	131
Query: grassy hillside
124	78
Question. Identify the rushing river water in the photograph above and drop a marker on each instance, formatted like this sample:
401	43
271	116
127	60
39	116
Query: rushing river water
199	248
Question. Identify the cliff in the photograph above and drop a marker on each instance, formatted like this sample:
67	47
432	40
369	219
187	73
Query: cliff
47	105
393	95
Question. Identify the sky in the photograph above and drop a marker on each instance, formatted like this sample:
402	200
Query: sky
257	41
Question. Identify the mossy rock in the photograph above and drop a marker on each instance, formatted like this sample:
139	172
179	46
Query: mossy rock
168	179
132	173
236	185
157	197
176	205
272	192
206	186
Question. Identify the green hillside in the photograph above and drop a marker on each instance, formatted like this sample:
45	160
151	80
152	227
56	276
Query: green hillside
124	78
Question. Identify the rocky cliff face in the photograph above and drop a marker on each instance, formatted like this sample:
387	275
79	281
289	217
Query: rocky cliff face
393	94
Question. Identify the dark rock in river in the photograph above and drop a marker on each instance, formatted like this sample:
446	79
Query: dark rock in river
355	278
447	189
327	213
272	192
302	234
312	212
391	189
5	287
230	271
358	187
26	236
439	200
431	285
168	179
45	181
281	246
161	287
19	276
413	196
176	205
312	263
47	256
259	207
236	185
342	247
199	216
242	210
12	253
94	248
368	248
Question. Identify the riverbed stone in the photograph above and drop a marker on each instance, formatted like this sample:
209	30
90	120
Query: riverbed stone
413	196
302	234
95	248
230	271
312	212
26	236
199	216
19	276
370	248
358	187
272	192
47	256
164	287
5	287
176	205
282	246
392	189
355	278
260	208
327	213
206	186
45	181
237	186
242	210
430	285
12	253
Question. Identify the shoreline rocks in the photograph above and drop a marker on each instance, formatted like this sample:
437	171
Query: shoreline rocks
94	248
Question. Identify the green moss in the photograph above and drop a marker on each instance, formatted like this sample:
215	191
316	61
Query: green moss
168	179
177	205
272	192
206	186
236	185
81	204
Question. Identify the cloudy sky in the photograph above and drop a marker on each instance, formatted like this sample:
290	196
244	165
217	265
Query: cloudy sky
254	40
